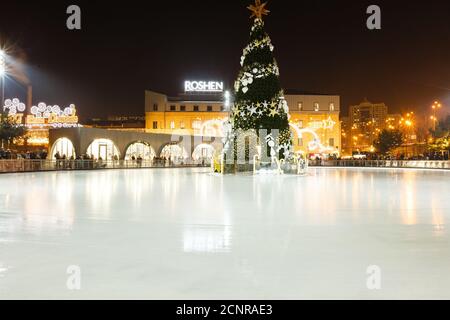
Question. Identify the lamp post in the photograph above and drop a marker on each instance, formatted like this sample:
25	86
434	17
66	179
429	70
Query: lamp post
2	74
436	105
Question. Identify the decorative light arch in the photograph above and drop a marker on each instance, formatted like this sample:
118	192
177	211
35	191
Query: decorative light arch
64	147
140	149
104	149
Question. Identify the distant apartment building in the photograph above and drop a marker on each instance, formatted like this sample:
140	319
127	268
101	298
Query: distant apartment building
363	125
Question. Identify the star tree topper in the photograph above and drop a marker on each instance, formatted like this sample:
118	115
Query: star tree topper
258	9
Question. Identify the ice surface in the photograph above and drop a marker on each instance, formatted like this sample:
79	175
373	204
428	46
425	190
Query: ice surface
188	234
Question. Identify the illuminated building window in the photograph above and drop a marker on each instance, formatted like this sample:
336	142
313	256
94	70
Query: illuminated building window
331	106
155	107
182	125
155	125
183	108
172	125
196	108
210	108
300	124
173	108
196	125
316	106
300	106
331	142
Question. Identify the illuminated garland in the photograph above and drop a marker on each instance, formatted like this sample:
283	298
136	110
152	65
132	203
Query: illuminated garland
42	115
260	72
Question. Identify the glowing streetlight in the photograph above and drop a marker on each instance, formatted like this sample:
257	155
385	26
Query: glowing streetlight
227	97
2	74
436	105
2	63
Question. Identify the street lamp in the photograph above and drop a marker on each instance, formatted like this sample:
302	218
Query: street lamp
436	105
2	74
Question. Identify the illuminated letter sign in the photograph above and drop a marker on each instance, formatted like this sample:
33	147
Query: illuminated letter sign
203	86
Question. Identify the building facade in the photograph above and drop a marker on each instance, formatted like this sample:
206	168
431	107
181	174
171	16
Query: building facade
366	121
314	117
317	118
192	113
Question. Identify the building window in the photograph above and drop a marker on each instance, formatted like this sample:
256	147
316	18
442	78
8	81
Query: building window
210	108
196	108
197	126
182	125
300	106
155	125
173	108
155	107
316	106
300	124
331	142
183	108
300	142
172	125
331	106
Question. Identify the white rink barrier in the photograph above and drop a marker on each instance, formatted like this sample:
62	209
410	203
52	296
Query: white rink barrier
22	165
411	164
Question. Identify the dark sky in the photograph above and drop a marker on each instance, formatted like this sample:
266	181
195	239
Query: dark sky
321	46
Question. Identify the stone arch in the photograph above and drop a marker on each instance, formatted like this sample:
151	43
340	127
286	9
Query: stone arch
204	152
64	146
103	148
173	151
139	149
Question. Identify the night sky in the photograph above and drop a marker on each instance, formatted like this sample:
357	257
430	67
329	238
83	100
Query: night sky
321	46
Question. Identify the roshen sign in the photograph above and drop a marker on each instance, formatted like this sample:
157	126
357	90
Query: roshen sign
203	86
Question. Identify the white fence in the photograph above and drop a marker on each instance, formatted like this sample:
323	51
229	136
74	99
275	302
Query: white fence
413	164
10	166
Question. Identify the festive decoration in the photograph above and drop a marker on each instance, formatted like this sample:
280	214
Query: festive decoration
258	10
324	124
42	115
259	99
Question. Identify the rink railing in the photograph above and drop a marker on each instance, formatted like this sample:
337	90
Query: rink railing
23	165
408	164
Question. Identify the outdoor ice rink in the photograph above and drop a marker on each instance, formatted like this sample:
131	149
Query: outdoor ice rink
188	234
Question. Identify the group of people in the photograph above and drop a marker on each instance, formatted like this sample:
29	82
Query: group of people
29	155
80	162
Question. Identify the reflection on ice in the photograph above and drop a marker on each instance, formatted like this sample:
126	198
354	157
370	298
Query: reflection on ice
207	239
188	234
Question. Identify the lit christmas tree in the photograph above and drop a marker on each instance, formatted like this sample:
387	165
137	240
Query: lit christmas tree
260	105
